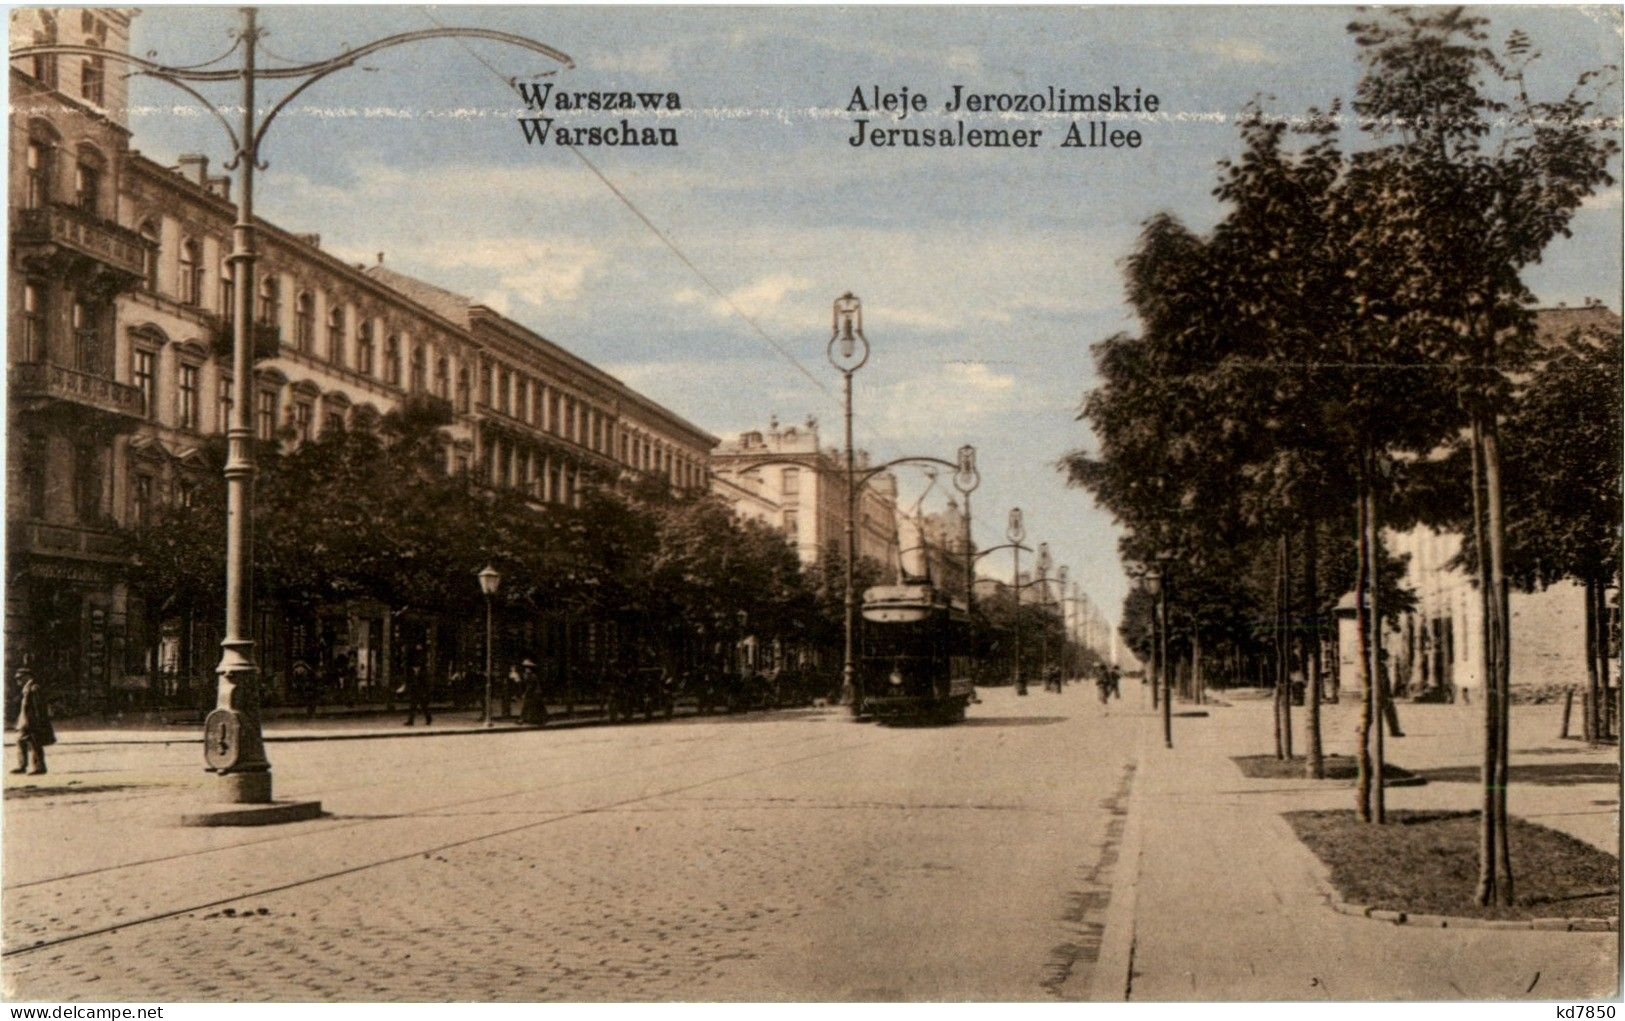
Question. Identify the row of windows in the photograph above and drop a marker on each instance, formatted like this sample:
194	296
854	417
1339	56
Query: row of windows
40	173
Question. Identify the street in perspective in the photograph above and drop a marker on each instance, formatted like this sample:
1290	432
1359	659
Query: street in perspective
856	505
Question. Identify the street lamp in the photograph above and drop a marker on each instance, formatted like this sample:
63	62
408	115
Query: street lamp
489	580
1066	636
966	479
234	747
1154	584
847	351
1043	597
1015	531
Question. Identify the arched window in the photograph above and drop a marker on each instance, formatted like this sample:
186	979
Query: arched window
192	272
87	180
34	318
420	369
45	66
392	360
270	310
363	348
149	232
304	321
41	167
442	377
228	293
335	330
464	389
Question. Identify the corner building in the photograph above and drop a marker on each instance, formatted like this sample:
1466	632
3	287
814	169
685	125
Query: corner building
120	325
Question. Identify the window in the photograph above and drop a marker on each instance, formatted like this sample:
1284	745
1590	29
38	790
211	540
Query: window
334	423
224	410
460	464
150	255
192	274
504	391
463	388
626	449
485	382
87	481
442	377
792	526
521	398
270	311
335	330
792	482
141	500
569	418
363	348
188	393
34	320
417	382
87	338
143	370
304	322
87	183
41	165
45	66
35	464
228	293
555	416
92	79
265	414
392	360
304	414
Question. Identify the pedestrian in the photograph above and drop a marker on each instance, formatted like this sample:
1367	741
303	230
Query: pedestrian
34	730
514	683
304	684
532	706
417	695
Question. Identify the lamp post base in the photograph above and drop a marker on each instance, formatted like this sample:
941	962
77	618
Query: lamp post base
244	787
253	815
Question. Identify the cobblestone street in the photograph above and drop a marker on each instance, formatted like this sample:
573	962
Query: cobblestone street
790	856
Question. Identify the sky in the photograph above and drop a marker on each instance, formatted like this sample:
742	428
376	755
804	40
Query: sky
985	275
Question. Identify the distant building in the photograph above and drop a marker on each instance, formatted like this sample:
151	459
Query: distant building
785	471
1440	644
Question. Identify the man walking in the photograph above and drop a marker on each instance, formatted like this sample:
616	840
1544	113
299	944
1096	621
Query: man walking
417	695
34	730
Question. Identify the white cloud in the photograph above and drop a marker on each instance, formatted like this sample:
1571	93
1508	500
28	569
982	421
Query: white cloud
761	298
513	268
1609	199
1238	51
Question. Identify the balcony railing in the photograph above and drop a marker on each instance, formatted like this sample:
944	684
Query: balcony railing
35	382
267	339
71	229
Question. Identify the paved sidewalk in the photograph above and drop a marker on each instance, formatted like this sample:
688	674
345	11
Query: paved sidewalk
1225	898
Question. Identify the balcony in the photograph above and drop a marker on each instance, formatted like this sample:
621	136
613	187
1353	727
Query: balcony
66	239
53	543
39	386
267	339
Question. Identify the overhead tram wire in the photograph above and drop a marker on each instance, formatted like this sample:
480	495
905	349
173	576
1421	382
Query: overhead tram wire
682	257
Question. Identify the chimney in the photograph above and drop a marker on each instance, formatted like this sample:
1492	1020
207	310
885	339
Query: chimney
195	167
313	240
380	258
220	186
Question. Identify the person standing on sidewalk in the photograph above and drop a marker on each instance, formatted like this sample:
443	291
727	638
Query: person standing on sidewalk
532	707
417	695
34	730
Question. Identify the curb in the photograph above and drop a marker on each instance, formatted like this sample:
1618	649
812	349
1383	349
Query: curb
1426	921
1113	972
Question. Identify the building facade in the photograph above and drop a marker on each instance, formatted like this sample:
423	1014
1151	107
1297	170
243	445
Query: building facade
120	327
785	473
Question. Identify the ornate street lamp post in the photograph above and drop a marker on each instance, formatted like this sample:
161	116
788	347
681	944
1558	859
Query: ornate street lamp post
848	350
1154	584
966	479
490	578
1043	598
1015	531
234	747
1066	633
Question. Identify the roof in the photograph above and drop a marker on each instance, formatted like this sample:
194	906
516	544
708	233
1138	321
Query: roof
446	303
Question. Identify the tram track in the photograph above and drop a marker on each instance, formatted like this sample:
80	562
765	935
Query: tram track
418	852
354	822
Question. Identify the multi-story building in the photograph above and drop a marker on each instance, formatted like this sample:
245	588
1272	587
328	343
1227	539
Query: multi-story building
120	325
786	471
933	545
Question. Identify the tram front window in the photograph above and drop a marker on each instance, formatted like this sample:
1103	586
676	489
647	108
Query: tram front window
902	659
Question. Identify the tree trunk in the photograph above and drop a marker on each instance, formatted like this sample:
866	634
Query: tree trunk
1492	745
1289	624
1362	615
1503	660
1280	647
1588	715
1599	655
1379	690
1316	764
1198	685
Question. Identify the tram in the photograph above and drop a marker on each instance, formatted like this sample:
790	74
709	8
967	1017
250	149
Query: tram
915	660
